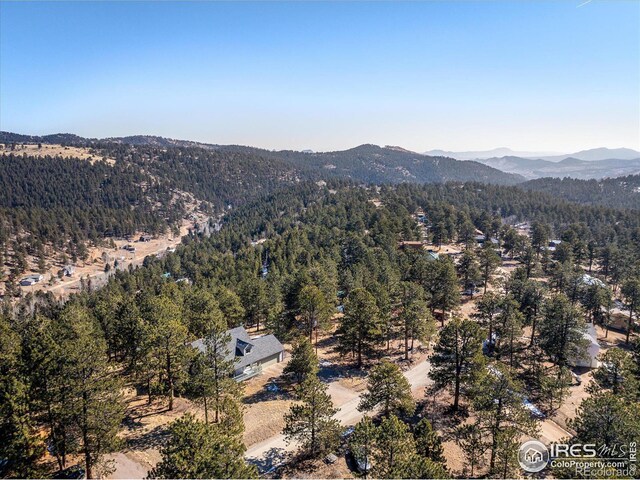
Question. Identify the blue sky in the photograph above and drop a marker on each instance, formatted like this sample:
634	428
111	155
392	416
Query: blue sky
452	75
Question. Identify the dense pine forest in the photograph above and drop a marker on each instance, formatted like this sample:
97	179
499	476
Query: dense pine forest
619	192
283	263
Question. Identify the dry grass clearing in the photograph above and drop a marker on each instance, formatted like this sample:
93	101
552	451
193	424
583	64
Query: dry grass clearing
44	150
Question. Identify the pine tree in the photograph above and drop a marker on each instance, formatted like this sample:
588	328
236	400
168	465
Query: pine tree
315	311
362	442
470	438
606	419
446	293
92	399
631	291
416	320
428	443
303	362
310	422
509	329
488	307
498	403
394	449
216	343
561	331
20	444
615	373
469	270
167	339
457	357
199	450
488	261
231	307
360	329
388	389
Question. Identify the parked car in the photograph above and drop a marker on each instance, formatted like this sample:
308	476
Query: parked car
362	464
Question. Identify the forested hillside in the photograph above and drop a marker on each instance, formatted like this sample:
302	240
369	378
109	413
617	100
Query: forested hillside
324	246
374	164
220	177
365	163
61	203
619	192
53	208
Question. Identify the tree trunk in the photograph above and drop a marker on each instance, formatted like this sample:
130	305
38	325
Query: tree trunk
456	397
629	324
169	379
406	341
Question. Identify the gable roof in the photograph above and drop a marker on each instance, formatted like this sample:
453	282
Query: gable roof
260	347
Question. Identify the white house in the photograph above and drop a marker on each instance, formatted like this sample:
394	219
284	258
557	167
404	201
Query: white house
593	350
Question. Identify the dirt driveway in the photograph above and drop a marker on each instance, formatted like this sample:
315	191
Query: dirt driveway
272	452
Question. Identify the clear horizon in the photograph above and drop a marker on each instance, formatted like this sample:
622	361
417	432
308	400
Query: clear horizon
465	76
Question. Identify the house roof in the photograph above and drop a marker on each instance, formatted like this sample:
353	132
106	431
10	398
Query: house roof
261	347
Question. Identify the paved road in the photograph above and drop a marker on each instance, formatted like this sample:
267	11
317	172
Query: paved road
271	453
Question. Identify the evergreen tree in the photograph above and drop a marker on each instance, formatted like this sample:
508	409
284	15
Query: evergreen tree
231	307
488	307
216	343
509	329
310	422
20	445
360	329
615	373
606	419
253	296
428	443
416	320
168	336
446	294
470	438
303	362
362	442
395	449
92	401
457	357
561	331
488	261
469	270
387	388
631	291
498	403
199	450
315	310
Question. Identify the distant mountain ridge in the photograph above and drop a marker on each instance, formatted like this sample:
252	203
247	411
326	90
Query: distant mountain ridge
365	163
597	154
594	154
482	154
567	167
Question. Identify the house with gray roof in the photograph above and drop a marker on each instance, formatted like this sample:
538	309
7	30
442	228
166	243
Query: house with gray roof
250	355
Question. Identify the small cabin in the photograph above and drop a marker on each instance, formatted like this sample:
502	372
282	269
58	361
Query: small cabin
31	280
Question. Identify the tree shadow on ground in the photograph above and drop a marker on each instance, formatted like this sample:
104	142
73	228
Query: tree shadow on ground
274	389
155	438
272	461
442	417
